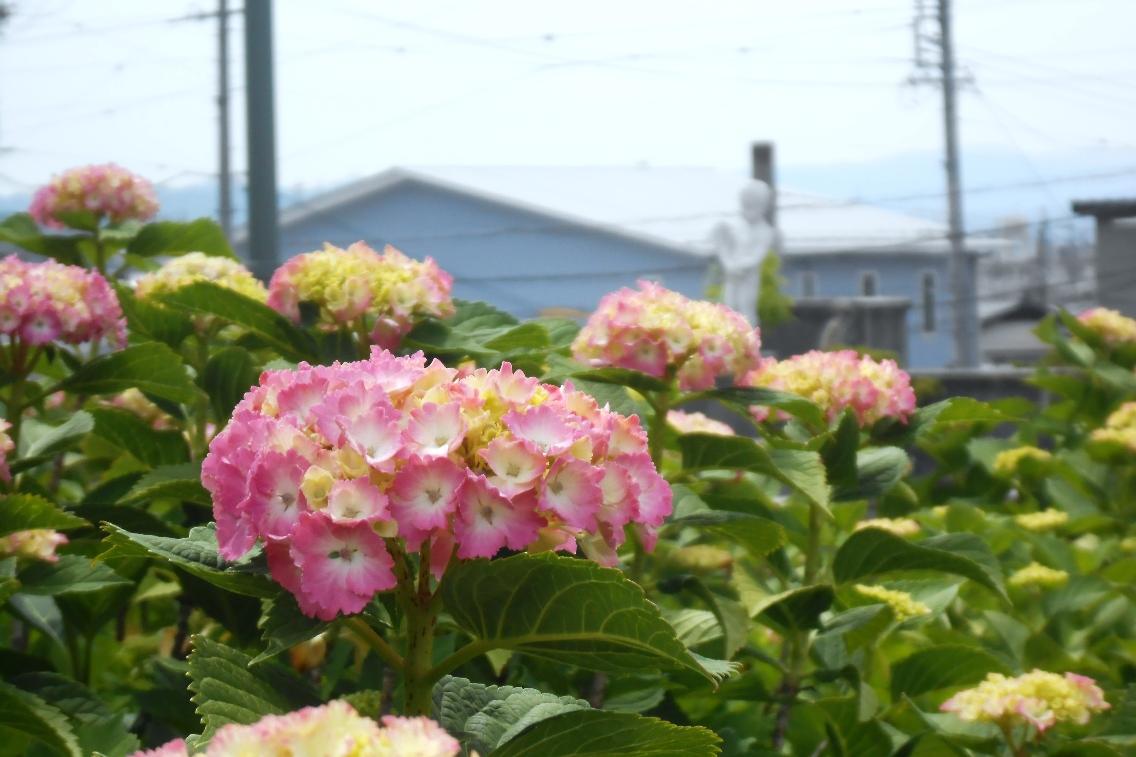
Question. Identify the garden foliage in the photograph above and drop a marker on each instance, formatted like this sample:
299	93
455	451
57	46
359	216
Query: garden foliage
347	512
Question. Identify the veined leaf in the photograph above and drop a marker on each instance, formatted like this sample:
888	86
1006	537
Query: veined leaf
180	237
283	626
196	554
878	469
800	470
21	512
485	717
796	609
97	728
873	551
227	690
26	713
600	733
623	377
72	574
22	230
151	321
151	367
206	298
61	437
149	445
942	667
179	481
228	375
563	609
743	397
759	536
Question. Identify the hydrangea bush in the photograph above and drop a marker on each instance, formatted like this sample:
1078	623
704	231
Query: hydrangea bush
345	513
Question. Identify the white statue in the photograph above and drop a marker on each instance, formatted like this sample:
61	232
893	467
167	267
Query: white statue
741	245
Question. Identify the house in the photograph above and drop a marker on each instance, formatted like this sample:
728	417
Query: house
535	240
1115	251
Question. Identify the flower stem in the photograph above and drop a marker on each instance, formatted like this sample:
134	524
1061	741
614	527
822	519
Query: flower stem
378	643
421	608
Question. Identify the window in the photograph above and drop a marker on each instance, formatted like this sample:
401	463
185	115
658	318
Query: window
927	286
808	283
869	284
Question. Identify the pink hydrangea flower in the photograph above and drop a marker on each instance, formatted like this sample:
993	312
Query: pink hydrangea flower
6	446
387	290
48	302
840	380
33	544
659	332
331	730
108	191
339	469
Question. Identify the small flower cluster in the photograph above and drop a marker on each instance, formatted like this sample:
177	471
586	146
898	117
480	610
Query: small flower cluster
33	544
44	302
662	333
1119	428
836	381
1044	520
1036	574
1039	698
903	605
322	463
389	289
1112	327
331	730
192	267
108	191
899	526
1007	462
136	403
697	423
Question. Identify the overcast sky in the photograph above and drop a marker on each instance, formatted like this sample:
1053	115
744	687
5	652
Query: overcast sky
364	85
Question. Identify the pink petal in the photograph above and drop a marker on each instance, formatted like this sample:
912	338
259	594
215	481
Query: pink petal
572	491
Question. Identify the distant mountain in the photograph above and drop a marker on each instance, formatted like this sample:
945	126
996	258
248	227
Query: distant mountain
998	183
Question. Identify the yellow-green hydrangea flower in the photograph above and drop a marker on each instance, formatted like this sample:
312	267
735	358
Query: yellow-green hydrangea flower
192	267
899	526
1036	574
1119	427
1037	698
1007	462
1044	520
903	605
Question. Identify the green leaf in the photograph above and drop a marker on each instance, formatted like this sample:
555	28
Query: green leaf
62	436
872	551
196	554
26	713
21	512
149	445
878	469
21	230
599	733
72	574
759	536
796	609
742	398
151	367
97	728
151	321
953	412
485	717
180	237
283	626
227	690
181	481
859	626
801	470
206	298
623	377
942	667
525	337
230	372
565	610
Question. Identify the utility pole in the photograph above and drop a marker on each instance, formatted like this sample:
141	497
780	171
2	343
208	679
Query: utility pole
261	122
964	306
224	171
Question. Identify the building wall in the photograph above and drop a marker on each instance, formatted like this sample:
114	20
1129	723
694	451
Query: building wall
1116	264
521	262
896	275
